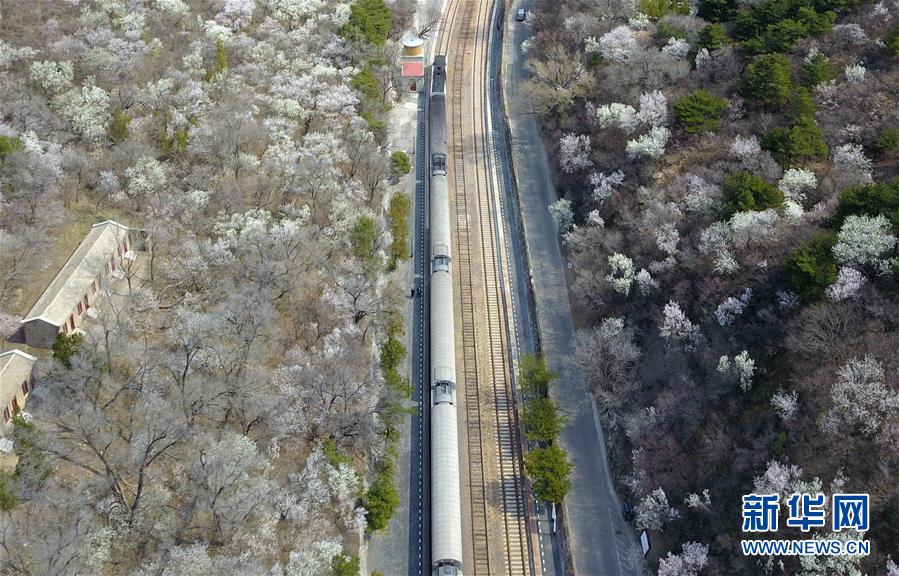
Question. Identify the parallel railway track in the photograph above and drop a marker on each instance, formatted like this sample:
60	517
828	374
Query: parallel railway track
495	504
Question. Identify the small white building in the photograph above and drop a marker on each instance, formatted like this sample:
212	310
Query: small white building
62	306
16	383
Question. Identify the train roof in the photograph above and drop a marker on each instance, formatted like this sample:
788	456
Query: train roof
438	75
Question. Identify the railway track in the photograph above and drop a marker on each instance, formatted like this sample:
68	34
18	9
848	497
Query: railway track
495	505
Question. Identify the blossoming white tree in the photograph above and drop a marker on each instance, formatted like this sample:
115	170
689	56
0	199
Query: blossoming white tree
703	58
86	108
676	326
694	500
621	273
796	182
849	283
645	282
785	404
718	239
778	478
862	239
618	45
860	396
745	149
745	367
851	164
145	177
732	307
855	73
653	512
604	184
562	214
676	48
650	145
700	194
692	559
753	227
653	108
667	238
574	152
54	77
617	115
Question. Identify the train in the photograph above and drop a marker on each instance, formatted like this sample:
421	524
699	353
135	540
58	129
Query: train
446	501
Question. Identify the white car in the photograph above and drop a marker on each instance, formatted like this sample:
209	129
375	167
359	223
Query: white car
520	15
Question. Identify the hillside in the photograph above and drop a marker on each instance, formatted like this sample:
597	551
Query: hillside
232	408
730	208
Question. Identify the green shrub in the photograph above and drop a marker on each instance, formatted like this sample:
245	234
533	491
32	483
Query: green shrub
712	37
801	141
382	497
541	419
534	377
767	80
370	20
656	9
364	238
812	268
699	112
8	145
118	128
780	444
817	23
344	566
32	469
336	457
220	64
392	353
399	209
376	125
801	104
777	25
870	199
835	5
887	139
66	346
174	145
747	25
9	497
744	191
367	83
665	31
717	10
399	163
549	469
891	40
783	36
817	70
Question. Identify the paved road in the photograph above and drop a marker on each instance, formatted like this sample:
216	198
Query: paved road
601	542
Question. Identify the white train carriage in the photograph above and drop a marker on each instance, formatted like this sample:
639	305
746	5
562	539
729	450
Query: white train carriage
446	505
443	350
440	225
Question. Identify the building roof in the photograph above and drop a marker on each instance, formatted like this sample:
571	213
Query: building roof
15	368
414	69
72	281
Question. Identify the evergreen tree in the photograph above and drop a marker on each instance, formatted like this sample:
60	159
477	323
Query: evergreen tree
699	112
549	469
767	80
